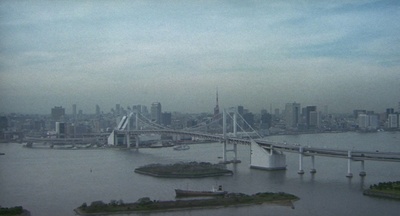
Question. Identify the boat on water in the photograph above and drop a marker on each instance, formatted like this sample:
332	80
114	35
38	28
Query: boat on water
181	147
213	192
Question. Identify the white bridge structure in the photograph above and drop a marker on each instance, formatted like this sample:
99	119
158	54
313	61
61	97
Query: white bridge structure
265	154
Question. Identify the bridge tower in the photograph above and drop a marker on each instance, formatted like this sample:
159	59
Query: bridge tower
225	141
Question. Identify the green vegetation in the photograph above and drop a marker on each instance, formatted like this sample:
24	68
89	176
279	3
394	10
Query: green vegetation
384	189
145	204
18	210
184	170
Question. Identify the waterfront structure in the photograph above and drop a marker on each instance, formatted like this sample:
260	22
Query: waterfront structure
393	121
292	115
156	112
368	121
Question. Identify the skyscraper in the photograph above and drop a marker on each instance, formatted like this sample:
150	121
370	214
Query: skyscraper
311	117
156	112
292	114
57	113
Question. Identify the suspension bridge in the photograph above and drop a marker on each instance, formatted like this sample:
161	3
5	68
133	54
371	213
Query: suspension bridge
267	155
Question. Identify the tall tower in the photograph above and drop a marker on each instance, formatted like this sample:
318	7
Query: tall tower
216	108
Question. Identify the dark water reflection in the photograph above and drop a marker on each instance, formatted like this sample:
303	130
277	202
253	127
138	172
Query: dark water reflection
53	182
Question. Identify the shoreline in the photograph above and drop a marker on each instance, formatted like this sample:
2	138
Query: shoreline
145	205
381	194
184	175
285	203
184	170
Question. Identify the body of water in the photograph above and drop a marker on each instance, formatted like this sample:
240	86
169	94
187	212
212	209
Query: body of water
54	182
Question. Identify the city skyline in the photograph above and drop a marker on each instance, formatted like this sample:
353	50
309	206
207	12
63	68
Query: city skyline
261	54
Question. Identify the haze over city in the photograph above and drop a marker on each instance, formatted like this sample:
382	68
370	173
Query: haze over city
258	54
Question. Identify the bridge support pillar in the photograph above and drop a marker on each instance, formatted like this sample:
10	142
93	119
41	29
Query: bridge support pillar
128	140
301	171
270	159
224	152
313	170
235	152
137	142
224	135
349	174
362	172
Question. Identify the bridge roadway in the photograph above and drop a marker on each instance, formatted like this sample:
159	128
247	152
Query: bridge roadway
269	145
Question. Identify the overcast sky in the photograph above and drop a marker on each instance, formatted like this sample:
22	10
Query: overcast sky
343	54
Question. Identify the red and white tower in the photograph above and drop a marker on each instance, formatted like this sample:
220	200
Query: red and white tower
216	108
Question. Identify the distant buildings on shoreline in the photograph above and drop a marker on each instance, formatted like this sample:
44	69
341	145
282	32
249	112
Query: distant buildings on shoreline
292	119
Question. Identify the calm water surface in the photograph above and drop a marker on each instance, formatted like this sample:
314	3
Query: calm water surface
54	182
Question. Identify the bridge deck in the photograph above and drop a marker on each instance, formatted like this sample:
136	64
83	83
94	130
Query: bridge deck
284	147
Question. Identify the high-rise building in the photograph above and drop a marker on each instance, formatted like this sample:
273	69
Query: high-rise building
313	121
389	111
57	113
166	118
240	110
117	109
363	121
393	121
156	112
249	118
3	123
292	114
311	117
265	120
60	129
356	113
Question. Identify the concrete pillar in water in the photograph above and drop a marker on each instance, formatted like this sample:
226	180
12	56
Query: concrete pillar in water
313	170
301	171
349	174
137	142
362	172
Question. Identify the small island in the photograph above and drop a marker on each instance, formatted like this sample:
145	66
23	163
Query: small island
184	170
145	204
14	211
389	190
